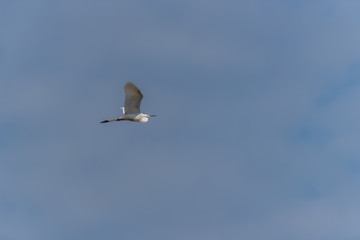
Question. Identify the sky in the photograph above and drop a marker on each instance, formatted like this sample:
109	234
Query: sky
257	130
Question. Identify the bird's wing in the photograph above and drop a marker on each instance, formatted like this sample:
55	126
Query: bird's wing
133	99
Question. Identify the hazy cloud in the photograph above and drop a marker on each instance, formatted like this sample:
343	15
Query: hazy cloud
257	128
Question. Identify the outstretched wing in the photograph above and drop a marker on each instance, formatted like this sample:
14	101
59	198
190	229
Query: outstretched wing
133	98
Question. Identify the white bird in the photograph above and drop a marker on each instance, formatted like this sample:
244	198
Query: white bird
131	111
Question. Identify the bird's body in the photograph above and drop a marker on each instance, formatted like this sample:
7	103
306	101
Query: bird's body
131	111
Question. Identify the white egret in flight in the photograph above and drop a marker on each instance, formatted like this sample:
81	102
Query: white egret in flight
131	111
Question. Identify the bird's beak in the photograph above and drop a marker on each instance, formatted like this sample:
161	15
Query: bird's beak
152	115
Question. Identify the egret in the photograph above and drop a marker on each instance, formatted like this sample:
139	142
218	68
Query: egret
131	111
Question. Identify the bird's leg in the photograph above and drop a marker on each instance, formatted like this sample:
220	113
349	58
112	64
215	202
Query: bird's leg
113	120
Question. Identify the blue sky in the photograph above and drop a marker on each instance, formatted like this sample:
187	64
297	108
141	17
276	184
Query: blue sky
258	128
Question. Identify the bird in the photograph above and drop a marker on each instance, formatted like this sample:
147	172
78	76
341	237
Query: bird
131	111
